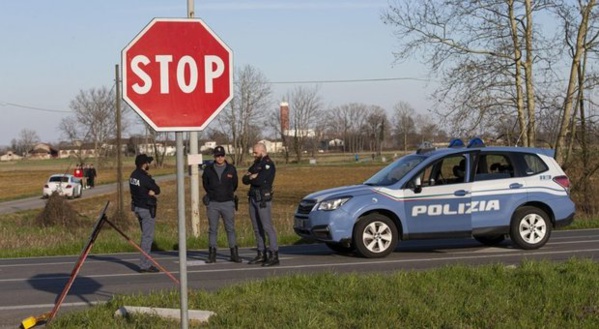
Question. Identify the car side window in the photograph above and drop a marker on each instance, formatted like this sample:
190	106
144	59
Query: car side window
449	170
534	165
493	166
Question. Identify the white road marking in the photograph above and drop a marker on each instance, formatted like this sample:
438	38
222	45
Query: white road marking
47	306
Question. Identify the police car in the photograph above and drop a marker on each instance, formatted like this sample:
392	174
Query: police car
488	193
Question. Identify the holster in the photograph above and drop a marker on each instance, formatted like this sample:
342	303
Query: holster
236	201
152	205
256	195
153	211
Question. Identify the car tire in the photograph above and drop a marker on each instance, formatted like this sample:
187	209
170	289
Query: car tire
530	228
375	236
490	240
340	248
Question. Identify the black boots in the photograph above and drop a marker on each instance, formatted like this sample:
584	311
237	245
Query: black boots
211	255
235	255
260	258
272	260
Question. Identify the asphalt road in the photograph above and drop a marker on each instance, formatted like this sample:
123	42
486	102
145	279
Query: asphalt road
30	285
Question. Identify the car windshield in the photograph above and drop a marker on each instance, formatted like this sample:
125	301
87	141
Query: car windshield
58	179
395	171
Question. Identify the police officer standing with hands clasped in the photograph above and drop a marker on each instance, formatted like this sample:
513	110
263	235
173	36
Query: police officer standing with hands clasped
220	183
260	176
143	190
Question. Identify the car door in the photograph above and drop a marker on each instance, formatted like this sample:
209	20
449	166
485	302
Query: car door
496	192
438	206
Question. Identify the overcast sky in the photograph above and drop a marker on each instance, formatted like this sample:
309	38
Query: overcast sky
53	49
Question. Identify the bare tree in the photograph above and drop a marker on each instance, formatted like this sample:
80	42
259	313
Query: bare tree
375	128
25	142
245	113
580	38
305	107
403	120
484	51
93	120
346	122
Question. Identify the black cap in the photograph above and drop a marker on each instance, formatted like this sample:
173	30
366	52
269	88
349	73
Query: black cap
142	159
218	151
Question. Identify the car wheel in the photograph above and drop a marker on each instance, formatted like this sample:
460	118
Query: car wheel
340	248
490	240
375	236
530	228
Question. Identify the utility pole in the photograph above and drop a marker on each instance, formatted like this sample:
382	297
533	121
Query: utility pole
119	171
193	151
181	205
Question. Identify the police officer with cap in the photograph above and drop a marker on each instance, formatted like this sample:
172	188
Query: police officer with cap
220	183
143	190
260	176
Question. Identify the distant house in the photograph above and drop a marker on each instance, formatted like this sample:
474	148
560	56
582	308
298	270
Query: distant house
336	142
272	147
43	151
9	156
162	148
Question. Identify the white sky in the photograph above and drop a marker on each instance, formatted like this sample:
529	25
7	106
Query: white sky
53	49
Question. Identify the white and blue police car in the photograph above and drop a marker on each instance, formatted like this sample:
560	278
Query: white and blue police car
488	193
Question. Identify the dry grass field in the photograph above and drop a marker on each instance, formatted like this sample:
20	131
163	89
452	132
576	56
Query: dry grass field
19	232
20	236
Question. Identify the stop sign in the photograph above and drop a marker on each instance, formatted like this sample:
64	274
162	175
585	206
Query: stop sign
177	74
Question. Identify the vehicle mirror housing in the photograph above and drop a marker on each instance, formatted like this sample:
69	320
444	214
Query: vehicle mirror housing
417	185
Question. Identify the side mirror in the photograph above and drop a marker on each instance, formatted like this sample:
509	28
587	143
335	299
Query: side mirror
417	185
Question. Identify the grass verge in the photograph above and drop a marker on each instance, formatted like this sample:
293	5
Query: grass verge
531	295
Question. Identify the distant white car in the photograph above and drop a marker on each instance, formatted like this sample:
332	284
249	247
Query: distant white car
65	185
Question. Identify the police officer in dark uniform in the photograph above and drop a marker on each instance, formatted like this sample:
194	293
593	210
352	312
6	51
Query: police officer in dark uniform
143	190
260	177
220	183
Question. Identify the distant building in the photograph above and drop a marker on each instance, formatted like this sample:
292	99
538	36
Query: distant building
272	147
9	156
43	151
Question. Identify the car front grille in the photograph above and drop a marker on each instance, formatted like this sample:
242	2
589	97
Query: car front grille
306	206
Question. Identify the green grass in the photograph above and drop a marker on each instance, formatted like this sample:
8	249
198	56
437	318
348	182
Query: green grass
531	295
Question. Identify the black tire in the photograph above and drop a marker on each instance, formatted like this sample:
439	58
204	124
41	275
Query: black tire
340	248
490	240
375	236
530	228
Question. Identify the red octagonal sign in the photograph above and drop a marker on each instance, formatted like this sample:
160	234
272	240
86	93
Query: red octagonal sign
177	74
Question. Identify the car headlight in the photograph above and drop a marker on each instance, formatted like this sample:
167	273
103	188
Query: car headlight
332	204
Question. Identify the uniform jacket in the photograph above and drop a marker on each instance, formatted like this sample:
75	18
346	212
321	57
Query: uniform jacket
220	189
140	183
265	169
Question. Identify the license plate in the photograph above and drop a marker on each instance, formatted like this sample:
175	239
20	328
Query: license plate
300	223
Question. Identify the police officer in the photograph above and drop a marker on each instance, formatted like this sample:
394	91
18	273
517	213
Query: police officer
143	190
260	176
220	183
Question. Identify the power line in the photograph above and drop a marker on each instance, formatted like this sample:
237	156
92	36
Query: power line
349	80
32	107
275	82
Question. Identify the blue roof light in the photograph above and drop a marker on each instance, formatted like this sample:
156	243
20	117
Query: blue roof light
476	142
456	142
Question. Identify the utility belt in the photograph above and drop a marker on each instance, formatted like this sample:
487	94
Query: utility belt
151	205
261	196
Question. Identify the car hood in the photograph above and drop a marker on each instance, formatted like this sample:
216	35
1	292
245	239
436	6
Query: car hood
337	192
